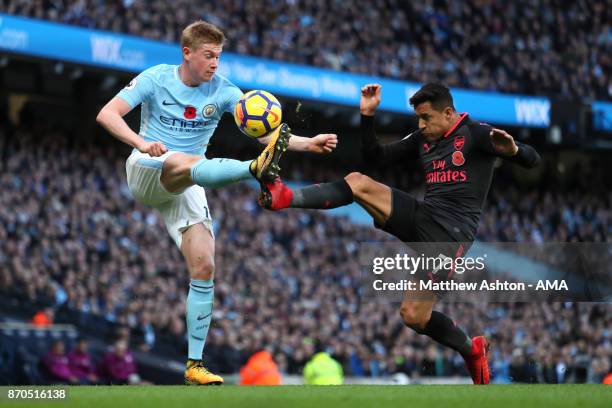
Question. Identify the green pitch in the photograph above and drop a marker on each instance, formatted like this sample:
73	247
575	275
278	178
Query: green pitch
407	396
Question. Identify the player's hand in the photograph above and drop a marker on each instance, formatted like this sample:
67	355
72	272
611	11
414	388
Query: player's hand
503	142
370	99
323	143
154	149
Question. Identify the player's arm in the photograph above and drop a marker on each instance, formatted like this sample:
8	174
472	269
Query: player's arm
322	143
500	143
371	149
111	117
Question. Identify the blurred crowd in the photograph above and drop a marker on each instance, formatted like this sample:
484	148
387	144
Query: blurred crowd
288	282
549	216
546	47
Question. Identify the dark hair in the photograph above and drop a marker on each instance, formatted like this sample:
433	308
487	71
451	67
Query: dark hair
437	94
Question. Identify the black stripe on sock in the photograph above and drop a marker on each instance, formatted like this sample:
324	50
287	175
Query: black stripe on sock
193	285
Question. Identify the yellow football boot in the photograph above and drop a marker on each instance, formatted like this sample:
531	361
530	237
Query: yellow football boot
197	374
265	167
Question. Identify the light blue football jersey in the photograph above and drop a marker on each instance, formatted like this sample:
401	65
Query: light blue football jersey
183	118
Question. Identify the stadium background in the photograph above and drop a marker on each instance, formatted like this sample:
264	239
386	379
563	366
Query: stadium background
75	245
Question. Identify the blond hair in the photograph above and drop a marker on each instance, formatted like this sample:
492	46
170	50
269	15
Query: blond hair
201	32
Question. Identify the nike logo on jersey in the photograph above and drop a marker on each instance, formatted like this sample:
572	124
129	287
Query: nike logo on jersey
201	317
164	102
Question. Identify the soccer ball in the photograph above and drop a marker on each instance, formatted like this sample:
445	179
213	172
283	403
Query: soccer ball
258	113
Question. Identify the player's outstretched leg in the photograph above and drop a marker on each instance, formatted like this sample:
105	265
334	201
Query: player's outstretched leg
276	195
376	198
265	167
183	170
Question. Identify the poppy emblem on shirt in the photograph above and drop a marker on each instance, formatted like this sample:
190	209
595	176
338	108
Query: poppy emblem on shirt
458	159
459	142
190	112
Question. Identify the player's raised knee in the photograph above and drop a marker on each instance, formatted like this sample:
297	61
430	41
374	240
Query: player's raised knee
177	163
358	182
176	173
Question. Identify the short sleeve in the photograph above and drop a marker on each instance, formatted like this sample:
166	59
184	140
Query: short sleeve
233	95
138	90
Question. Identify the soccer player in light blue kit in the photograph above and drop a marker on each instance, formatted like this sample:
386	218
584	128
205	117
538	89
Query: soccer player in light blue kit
181	107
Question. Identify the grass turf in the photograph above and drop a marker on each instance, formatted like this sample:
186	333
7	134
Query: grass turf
409	396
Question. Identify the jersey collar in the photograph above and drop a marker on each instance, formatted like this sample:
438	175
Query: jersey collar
461	119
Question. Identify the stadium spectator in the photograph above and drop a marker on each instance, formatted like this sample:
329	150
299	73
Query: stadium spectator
145	332
260	369
118	365
56	365
44	317
322	369
81	363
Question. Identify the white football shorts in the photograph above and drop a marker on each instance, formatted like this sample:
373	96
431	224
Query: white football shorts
179	210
